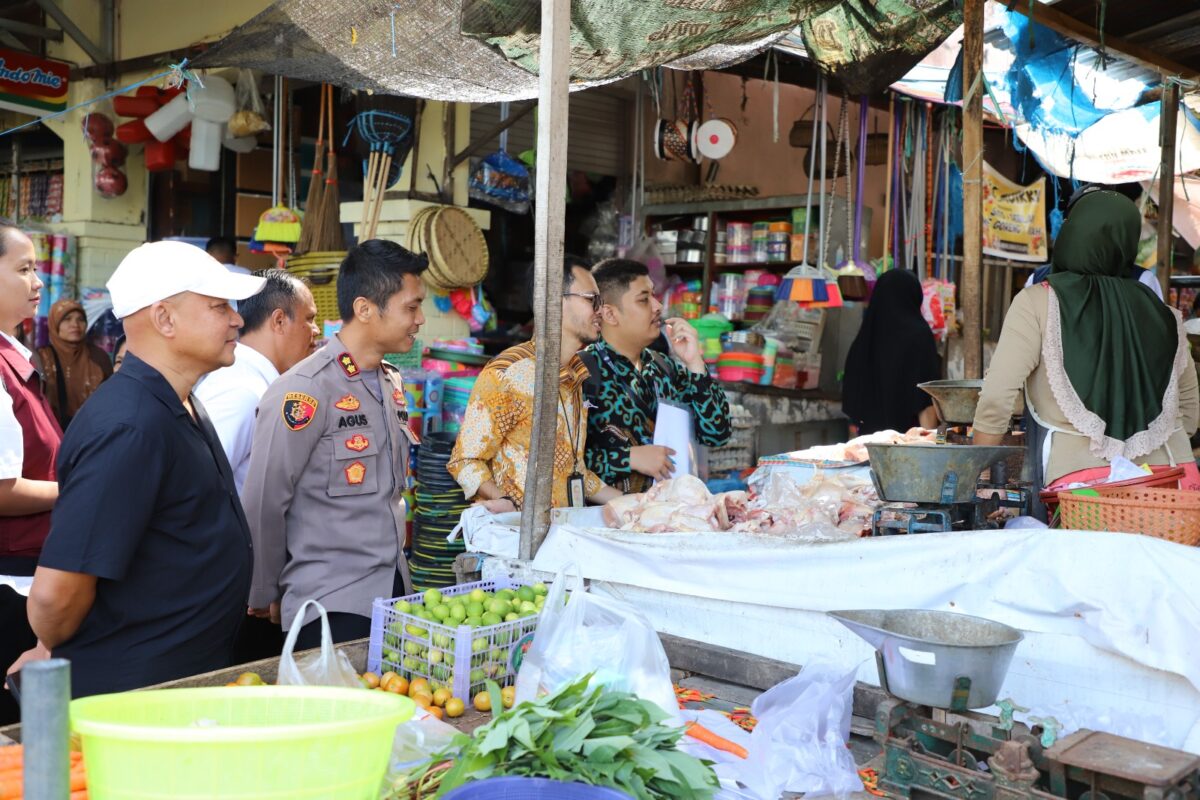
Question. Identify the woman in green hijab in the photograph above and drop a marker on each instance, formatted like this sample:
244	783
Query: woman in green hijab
1103	363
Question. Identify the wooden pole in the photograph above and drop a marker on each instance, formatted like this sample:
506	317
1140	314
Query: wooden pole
548	222
1166	183
972	188
887	198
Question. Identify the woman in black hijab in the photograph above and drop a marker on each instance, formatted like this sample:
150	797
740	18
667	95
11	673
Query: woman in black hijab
893	352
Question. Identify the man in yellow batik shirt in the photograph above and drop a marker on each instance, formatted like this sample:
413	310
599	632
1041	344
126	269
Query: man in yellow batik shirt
490	457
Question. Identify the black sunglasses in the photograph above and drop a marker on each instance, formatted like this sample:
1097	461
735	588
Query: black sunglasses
593	296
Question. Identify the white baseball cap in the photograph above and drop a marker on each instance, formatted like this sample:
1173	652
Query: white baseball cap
158	270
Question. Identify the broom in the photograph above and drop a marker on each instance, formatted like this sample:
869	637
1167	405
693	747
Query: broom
328	224
316	186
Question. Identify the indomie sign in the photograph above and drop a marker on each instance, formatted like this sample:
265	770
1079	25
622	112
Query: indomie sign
31	84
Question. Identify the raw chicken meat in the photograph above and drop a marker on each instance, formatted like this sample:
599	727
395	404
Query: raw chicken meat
855	450
832	503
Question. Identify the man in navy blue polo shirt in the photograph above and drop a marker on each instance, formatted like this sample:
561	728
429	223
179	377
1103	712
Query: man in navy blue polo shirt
145	575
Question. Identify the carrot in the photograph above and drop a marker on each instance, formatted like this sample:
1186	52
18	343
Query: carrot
702	734
11	788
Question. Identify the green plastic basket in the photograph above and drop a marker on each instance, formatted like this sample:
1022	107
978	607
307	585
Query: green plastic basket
238	742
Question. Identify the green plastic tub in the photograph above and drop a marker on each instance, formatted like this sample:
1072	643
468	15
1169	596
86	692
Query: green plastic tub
238	742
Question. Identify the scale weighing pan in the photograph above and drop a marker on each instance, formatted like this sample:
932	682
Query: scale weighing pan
955	401
936	658
936	474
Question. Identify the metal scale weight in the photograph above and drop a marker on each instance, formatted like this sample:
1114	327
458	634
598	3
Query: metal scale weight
929	488
936	666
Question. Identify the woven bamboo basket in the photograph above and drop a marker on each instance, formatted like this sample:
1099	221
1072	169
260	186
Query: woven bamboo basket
1171	514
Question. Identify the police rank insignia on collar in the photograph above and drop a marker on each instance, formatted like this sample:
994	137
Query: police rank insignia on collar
298	410
348	403
348	364
356	473
398	398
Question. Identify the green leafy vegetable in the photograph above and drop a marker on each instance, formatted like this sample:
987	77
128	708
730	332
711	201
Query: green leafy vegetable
588	735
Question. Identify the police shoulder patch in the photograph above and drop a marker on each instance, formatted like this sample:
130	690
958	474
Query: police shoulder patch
348	403
348	364
298	410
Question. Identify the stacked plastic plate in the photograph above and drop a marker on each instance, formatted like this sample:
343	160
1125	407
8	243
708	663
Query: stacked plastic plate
439	503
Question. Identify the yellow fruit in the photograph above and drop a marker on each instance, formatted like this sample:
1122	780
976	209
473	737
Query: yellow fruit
394	686
454	707
440	696
508	694
370	680
387	678
437	712
401	684
483	702
422	699
419	685
249	679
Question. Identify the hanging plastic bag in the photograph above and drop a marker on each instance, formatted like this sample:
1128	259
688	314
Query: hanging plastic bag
595	634
484	532
250	119
329	667
799	743
502	181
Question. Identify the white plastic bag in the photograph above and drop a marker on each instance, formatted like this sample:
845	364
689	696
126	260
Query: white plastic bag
595	634
799	742
484	532
329	667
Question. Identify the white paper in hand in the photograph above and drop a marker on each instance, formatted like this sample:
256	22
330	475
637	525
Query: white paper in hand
673	429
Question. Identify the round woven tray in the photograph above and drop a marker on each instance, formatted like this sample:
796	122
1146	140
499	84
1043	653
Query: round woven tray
456	247
1170	514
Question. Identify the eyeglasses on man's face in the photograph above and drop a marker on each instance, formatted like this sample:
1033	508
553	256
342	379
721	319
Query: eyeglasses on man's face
592	297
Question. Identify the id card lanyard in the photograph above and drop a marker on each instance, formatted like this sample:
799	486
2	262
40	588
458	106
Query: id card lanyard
575	492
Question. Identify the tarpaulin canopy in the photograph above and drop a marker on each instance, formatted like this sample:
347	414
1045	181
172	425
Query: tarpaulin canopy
486	50
1082	114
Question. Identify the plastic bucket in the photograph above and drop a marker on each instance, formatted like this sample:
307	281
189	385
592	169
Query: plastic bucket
238	742
517	788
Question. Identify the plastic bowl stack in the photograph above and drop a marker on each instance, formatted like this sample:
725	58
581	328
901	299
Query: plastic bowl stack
745	367
439	504
455	394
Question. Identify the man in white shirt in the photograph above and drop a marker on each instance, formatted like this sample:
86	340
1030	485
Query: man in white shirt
280	330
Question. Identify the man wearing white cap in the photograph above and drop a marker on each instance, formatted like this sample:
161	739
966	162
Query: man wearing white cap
146	572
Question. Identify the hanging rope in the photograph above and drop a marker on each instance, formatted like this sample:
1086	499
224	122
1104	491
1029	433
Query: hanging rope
175	77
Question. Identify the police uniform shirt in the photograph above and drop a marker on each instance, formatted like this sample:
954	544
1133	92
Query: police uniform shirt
147	505
323	491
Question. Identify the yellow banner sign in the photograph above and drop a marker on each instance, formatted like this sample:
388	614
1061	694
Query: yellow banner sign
1014	218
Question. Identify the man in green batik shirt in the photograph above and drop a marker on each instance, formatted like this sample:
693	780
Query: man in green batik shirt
628	379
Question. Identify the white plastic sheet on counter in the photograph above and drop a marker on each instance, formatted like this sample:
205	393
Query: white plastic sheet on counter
1112	620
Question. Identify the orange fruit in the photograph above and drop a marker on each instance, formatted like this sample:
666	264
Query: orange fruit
437	712
483	702
387	678
395	687
422	699
454	707
401	683
419	685
370	680
508	695
440	696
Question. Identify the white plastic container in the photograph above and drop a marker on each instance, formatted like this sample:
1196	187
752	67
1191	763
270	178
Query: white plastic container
214	101
240	144
206	145
170	119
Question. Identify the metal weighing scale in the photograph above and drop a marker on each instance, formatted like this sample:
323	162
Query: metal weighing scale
936	666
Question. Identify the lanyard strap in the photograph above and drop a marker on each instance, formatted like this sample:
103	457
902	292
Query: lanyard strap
573	436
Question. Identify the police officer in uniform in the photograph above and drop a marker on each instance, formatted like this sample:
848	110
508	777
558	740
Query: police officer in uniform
330	457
